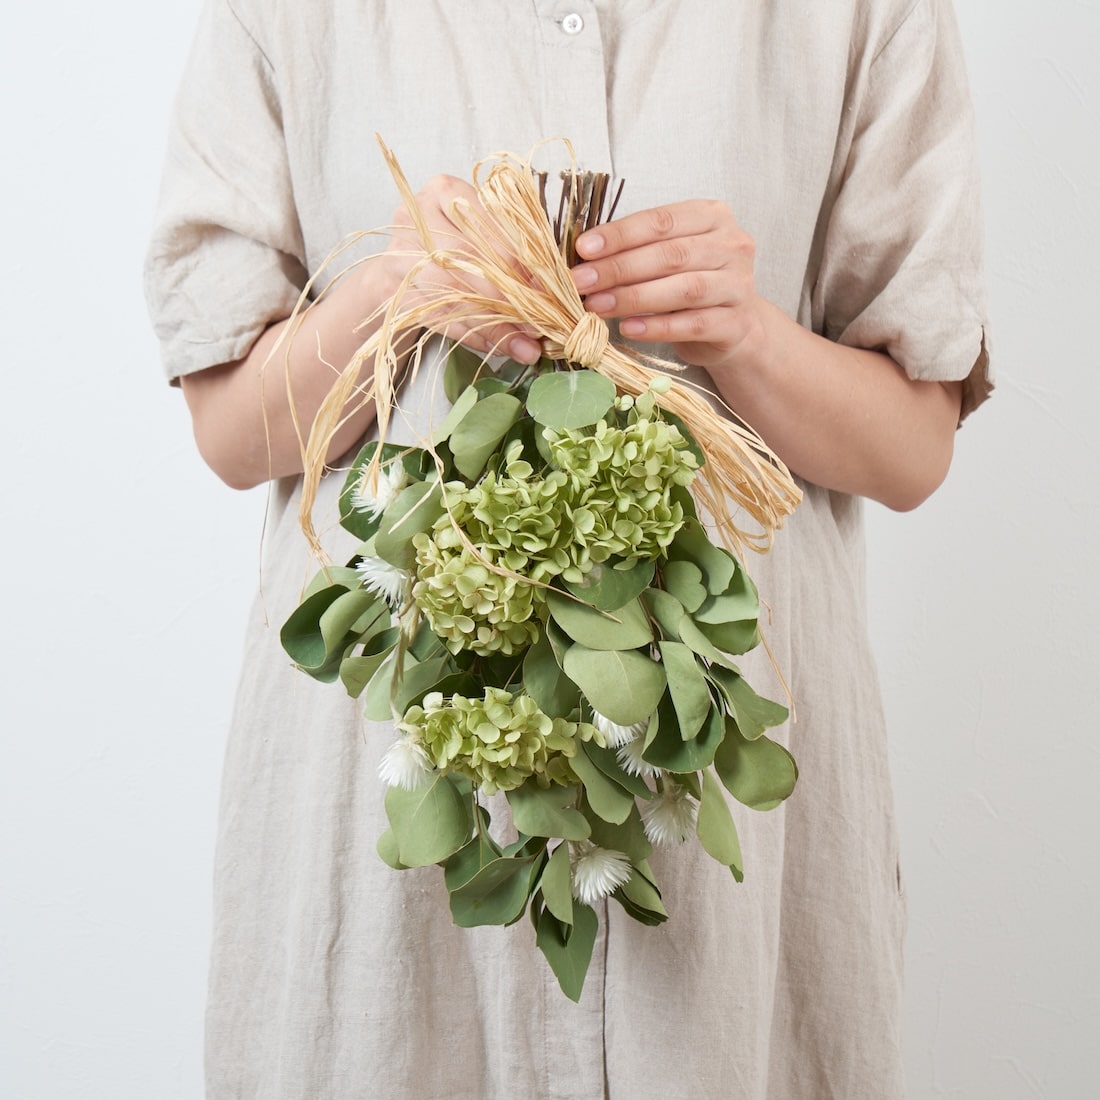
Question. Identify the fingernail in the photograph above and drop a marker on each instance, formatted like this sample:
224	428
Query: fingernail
633	327
600	303
590	244
523	350
584	277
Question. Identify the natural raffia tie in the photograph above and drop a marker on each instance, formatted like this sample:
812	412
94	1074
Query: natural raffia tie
587	343
508	243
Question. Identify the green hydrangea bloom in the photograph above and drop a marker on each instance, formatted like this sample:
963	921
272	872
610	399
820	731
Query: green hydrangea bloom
468	606
521	520
621	479
498	741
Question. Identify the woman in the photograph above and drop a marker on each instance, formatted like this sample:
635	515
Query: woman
837	141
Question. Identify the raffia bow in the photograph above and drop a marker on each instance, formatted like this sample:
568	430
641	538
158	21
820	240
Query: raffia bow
508	243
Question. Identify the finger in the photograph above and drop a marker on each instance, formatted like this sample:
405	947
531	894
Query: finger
680	219
710	252
720	328
691	291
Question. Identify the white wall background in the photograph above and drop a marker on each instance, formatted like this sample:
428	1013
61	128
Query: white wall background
127	568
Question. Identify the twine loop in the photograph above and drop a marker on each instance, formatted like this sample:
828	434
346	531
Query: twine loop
588	341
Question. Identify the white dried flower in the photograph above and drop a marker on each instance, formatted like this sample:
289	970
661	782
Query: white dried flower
405	765
383	579
630	760
391	479
670	817
597	872
614	735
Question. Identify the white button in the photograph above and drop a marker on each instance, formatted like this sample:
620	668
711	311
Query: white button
572	23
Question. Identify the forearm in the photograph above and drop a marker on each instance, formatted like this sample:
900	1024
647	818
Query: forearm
244	412
844	418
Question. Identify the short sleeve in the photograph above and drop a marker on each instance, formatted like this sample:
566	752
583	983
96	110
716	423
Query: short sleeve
901	264
226	255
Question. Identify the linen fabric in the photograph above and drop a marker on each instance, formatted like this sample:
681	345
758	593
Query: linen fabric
840	135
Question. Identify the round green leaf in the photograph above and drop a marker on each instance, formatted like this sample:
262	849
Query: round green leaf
624	628
547	811
461	370
607	799
670	751
607	588
557	885
714	824
479	433
624	686
497	894
688	687
430	823
568	948
760	773
570	399
556	695
413	510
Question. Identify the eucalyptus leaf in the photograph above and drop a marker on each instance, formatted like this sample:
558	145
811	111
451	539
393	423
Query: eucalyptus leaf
740	600
421	678
557	885
667	611
692	544
732	637
333	576
606	798
556	695
356	672
607	588
455	415
670	751
469	859
547	811
460	371
624	628
387	850
688	687
714	824
623	686
642	900
568	957
693	637
684	580
608	763
752	713
497	893
570	399
301	633
478	435
560	642
430	823
760	773
628	838
413	510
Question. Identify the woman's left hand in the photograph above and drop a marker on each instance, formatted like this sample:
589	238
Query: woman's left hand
680	274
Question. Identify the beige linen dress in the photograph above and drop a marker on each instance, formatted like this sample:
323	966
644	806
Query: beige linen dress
839	133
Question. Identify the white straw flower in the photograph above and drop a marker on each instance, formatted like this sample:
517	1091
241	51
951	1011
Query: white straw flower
385	580
614	735
670	817
597	872
405	765
630	760
392	478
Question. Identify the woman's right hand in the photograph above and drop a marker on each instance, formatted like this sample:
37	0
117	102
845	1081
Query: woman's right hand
406	251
